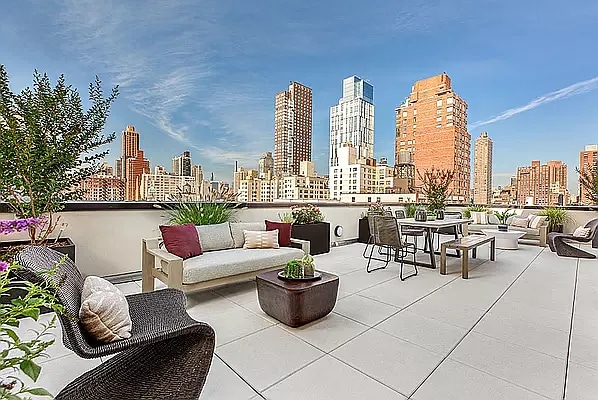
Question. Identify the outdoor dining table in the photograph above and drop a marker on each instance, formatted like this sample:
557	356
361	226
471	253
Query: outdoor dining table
429	227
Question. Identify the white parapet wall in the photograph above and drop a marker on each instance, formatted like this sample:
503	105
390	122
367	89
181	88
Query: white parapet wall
108	242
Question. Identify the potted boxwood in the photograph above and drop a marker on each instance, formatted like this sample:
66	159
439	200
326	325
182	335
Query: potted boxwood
49	143
308	224
557	218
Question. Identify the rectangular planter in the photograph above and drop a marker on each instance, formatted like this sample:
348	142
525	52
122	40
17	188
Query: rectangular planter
66	246
318	235
364	230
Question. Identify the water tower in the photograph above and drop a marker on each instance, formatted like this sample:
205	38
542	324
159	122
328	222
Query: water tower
405	169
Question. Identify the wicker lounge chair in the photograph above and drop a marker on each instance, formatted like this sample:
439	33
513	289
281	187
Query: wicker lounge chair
168	355
558	242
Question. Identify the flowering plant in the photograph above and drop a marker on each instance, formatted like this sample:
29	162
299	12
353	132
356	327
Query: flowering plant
306	214
18	354
376	208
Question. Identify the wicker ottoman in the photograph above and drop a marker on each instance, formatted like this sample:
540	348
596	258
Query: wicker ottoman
296	303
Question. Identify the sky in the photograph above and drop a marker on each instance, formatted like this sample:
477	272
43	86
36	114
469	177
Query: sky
201	75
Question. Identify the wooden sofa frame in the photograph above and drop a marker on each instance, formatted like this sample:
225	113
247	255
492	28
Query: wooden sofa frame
168	268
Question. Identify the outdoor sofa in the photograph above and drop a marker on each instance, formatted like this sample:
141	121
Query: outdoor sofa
538	235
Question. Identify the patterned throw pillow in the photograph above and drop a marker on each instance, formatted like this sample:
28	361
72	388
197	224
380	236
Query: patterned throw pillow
261	239
104	312
582	232
519	222
536	221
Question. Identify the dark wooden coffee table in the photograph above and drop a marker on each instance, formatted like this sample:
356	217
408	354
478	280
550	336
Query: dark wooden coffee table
296	303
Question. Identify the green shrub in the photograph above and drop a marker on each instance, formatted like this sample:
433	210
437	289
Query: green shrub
202	213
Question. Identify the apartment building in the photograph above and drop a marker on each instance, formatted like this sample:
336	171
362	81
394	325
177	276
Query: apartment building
482	170
542	184
431	124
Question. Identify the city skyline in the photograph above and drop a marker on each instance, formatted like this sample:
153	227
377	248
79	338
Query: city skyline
204	79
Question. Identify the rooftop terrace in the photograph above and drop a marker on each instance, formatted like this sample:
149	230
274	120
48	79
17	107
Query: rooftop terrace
522	327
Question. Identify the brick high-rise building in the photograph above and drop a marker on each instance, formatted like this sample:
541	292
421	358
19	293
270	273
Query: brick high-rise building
292	129
588	159
135	168
432	125
482	170
542	185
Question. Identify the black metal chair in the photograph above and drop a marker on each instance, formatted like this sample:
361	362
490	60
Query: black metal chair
409	231
559	242
168	355
387	235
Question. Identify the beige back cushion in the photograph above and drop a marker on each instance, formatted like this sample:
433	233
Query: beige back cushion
237	228
104	314
519	222
261	239
215	237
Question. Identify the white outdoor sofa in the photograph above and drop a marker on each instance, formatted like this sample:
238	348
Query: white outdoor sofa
224	260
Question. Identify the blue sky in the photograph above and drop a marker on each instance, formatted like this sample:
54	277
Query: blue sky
202	75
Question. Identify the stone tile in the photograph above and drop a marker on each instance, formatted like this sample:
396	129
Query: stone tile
527	368
363	309
329	332
57	373
359	280
268	356
255	308
581	383
234	324
203	304
240	293
129	288
223	383
523	333
434	335
537	315
456	381
327	379
586	325
584	351
445	310
392	361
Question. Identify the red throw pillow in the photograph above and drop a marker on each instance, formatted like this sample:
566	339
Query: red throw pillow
181	240
284	232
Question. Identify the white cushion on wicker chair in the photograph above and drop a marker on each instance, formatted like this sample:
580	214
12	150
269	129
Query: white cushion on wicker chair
104	314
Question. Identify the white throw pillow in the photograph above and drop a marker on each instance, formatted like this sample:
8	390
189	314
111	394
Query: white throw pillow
479	217
261	239
537	221
104	312
582	232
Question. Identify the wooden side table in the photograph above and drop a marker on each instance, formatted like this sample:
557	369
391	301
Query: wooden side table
296	303
465	244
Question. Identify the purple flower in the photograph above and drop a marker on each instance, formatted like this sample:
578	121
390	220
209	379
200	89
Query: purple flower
3	266
20	225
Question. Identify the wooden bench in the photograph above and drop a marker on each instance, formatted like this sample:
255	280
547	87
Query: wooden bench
465	244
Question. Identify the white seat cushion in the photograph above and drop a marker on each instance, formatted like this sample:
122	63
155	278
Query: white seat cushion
215	237
219	264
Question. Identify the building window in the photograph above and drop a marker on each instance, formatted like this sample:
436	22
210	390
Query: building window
438	119
352	199
439	103
414	112
369	199
439	125
449	109
450	100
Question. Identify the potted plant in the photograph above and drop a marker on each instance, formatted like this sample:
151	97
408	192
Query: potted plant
19	353
435	186
308	224
49	143
557	218
300	268
475	208
410	209
502	219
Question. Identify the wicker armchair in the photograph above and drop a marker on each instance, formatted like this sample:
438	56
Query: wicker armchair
558	242
387	235
168	355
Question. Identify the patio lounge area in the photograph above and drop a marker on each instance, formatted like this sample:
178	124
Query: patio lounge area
521	327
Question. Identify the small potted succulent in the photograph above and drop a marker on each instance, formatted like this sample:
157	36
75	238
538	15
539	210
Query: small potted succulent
308	224
303	268
502	219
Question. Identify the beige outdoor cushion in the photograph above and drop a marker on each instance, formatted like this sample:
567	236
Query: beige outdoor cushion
215	237
479	217
220	264
237	228
104	314
261	239
537	220
519	222
582	232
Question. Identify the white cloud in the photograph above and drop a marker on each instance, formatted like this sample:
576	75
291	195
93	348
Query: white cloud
569	91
